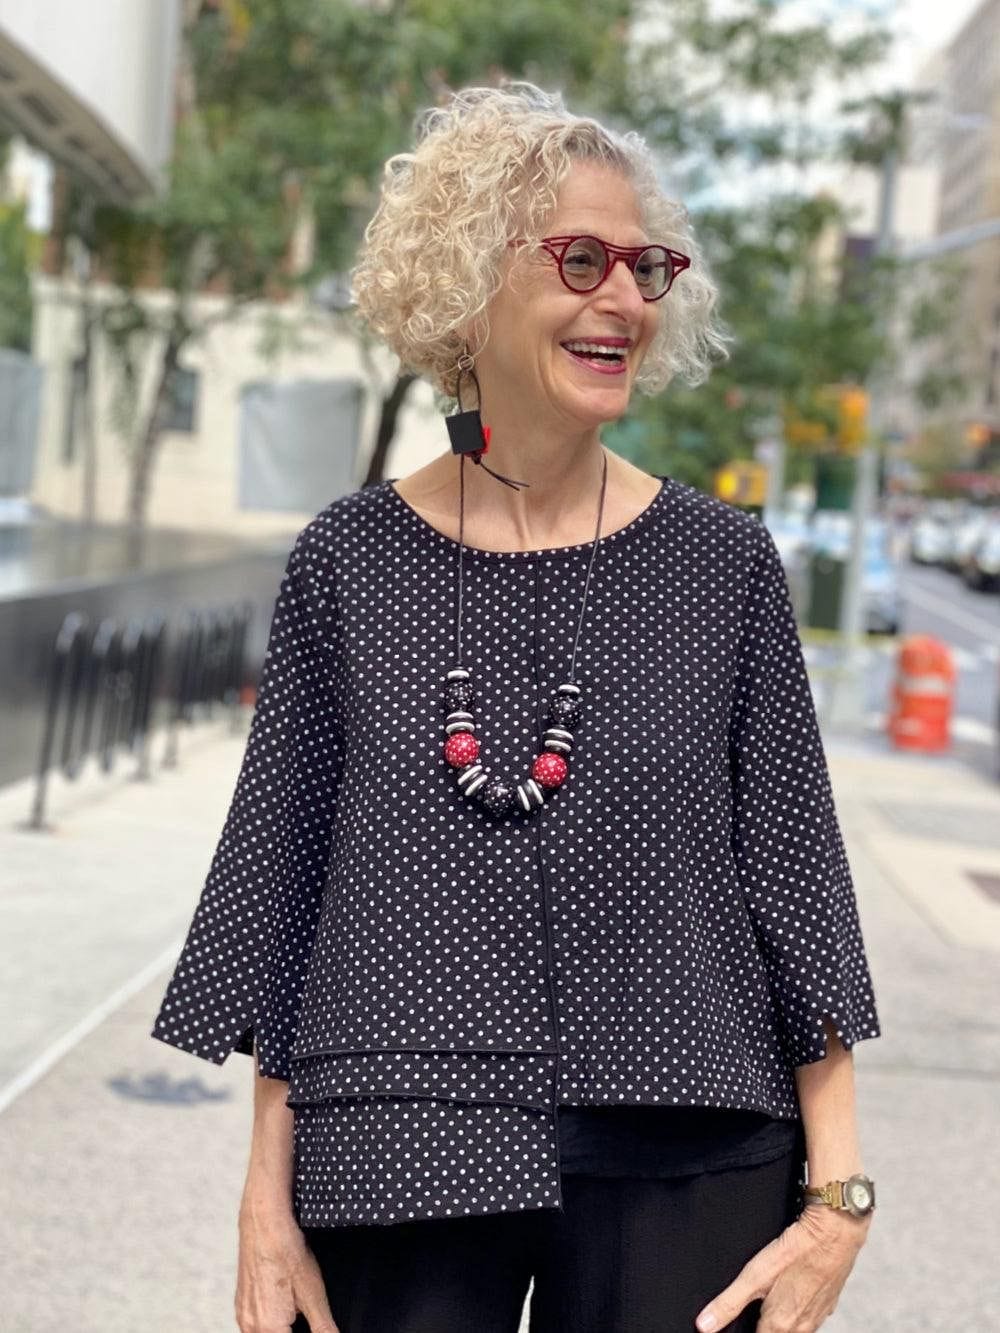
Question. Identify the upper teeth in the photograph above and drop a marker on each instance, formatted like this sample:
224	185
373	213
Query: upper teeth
594	347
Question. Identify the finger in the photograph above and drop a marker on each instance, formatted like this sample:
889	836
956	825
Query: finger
320	1322
256	1313
311	1298
751	1283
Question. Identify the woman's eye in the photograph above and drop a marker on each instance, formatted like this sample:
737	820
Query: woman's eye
579	259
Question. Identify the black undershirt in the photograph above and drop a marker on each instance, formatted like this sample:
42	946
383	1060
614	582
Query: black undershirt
657	1141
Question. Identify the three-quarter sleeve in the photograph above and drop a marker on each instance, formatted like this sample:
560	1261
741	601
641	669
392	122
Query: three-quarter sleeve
787	842
241	972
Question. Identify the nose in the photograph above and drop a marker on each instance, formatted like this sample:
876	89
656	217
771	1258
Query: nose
621	291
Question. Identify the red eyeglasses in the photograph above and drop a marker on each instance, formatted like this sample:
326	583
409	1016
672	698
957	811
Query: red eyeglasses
585	261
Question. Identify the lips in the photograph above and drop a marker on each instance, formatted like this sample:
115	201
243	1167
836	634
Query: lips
606	355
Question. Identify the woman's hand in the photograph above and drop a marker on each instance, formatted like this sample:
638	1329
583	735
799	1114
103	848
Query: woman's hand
799	1275
278	1276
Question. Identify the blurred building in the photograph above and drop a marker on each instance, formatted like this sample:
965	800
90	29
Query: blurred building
857	190
254	444
946	194
93	91
970	194
247	433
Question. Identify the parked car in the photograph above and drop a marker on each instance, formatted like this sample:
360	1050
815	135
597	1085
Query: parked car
965	536
930	541
981	569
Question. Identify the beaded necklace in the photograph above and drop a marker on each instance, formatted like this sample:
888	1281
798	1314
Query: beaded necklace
498	794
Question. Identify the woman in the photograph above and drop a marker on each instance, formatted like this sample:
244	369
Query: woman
544	937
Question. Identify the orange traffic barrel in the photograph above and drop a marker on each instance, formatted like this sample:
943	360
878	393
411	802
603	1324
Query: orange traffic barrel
923	694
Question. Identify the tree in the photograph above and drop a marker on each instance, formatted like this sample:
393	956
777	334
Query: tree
15	277
800	322
288	109
797	329
18	252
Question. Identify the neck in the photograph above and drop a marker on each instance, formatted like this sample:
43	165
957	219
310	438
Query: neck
562	466
563	480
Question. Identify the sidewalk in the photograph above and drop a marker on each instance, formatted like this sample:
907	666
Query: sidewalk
123	1159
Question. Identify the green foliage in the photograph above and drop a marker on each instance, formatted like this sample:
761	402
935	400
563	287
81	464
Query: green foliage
694	60
294	106
297	105
18	254
291	108
321	92
797	328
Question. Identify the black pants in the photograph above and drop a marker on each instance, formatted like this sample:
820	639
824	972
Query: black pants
622	1256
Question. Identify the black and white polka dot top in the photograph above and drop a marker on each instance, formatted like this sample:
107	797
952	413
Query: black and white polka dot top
669	929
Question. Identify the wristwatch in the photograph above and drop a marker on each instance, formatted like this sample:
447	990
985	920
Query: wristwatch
855	1195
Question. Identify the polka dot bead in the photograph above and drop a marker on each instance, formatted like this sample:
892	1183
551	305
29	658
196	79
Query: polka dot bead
499	795
550	770
667	927
461	749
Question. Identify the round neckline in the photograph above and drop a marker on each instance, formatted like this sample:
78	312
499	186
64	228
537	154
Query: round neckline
610	539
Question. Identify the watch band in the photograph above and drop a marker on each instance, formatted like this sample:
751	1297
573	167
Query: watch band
832	1193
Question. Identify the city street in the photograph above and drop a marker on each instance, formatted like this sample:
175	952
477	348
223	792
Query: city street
936	603
124	1158
257	262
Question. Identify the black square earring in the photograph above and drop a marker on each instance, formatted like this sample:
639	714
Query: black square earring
466	431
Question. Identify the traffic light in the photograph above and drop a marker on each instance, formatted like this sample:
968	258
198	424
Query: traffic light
840	423
852	417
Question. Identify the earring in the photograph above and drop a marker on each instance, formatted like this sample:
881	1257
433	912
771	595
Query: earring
466	431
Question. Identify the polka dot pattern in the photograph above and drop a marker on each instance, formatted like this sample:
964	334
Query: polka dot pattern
375	1162
433	981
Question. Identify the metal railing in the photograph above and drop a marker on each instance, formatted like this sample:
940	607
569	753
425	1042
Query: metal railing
105	680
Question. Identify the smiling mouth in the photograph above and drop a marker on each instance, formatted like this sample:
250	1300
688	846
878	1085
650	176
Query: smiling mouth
599	356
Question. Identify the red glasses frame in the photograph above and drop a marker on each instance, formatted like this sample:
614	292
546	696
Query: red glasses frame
557	246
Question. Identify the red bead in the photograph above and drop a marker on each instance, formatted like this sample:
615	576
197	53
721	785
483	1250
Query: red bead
549	769
461	748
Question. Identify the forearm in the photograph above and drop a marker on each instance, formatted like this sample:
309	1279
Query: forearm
270	1169
829	1114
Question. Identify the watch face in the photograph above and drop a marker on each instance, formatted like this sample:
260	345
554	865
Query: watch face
859	1194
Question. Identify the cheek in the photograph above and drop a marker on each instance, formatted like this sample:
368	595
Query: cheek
654	316
650	329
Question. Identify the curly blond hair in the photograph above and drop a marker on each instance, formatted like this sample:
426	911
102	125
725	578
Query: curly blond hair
486	168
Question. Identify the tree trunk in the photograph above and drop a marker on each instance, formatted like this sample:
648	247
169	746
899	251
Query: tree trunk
84	409
145	455
388	420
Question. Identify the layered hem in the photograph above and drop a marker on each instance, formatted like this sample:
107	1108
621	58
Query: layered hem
378	1161
520	1079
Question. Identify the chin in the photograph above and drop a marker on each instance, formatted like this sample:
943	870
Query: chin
601	409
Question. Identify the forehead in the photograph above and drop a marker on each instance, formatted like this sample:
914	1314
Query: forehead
601	201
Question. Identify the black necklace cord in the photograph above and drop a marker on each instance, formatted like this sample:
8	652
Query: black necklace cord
549	770
590	564
461	550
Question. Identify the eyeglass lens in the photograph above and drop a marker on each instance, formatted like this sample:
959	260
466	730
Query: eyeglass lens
585	263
